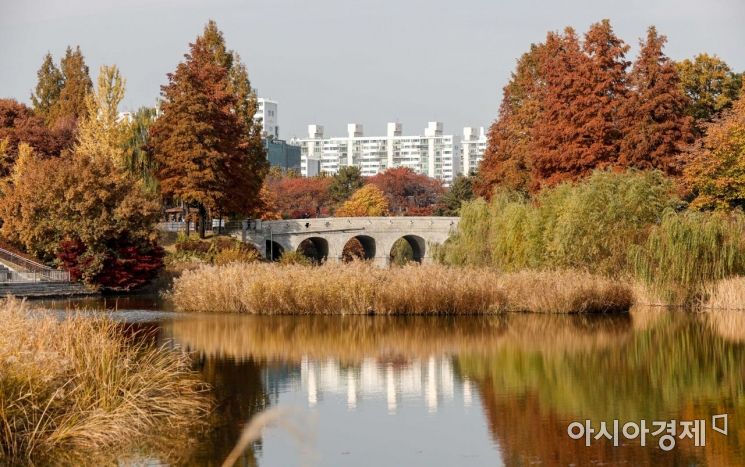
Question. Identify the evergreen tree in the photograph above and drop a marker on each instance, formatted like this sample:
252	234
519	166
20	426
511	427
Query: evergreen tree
346	181
77	84
460	192
100	133
48	89
207	152
657	125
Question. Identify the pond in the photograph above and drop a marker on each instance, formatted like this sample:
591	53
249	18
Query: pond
465	391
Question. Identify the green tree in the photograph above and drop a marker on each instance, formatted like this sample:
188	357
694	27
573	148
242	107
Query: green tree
345	182
100	133
710	85
206	153
460	192
657	126
77	85
48	89
137	159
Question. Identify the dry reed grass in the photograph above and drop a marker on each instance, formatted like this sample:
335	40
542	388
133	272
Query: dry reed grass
360	288
726	294
80	385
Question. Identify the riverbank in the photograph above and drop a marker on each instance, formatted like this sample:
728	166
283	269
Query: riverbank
80	388
361	288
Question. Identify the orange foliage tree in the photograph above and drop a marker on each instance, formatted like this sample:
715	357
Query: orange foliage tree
299	197
572	107
408	193
207	150
367	201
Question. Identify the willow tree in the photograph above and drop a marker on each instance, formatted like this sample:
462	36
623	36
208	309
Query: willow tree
206	145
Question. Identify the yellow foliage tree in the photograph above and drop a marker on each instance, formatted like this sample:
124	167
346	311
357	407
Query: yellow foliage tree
367	201
101	133
716	173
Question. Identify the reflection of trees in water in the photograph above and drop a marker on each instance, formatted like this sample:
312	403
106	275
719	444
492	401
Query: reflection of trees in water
239	394
673	369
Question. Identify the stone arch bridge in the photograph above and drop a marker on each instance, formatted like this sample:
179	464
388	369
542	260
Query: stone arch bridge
327	237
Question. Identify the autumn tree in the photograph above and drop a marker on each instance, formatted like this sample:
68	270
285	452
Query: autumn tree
578	129
367	201
710	85
716	173
88	214
408	192
207	151
76	85
507	159
345	182
100	133
19	124
48	89
300	197
657	127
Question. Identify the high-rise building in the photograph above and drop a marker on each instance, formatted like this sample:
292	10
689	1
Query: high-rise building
433	154
472	148
266	113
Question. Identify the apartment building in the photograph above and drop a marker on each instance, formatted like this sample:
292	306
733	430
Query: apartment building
266	113
433	153
472	148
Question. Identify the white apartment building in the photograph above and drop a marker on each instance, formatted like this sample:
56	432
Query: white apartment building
472	148
433	154
266	113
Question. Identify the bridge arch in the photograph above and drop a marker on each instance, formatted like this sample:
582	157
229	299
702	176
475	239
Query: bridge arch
315	248
359	247
273	250
408	248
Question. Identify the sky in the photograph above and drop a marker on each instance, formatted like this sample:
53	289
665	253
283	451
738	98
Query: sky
334	62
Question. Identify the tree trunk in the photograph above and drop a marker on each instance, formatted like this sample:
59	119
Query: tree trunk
202	221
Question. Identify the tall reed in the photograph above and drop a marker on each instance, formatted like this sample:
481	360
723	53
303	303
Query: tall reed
79	385
359	288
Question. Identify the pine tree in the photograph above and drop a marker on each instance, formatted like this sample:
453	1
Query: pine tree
208	154
657	125
48	89
100	133
77	84
345	182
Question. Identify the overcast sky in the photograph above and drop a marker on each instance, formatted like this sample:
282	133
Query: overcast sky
334	62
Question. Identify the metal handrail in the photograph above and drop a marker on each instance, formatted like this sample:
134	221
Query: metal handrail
30	270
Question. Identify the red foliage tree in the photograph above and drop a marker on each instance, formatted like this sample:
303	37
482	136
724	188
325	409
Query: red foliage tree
19	124
657	124
127	265
579	128
408	193
300	197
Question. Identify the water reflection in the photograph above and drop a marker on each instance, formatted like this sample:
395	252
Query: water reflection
470	390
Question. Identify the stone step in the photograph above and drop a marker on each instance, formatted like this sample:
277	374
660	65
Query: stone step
44	289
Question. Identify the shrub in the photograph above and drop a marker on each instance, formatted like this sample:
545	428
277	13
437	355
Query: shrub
295	257
236	255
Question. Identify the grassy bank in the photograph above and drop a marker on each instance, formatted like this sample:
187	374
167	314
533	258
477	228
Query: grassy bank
628	226
359	288
79	385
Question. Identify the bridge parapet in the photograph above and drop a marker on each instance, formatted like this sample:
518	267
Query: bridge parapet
378	234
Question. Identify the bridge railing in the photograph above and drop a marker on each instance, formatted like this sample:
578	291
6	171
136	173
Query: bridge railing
28	270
